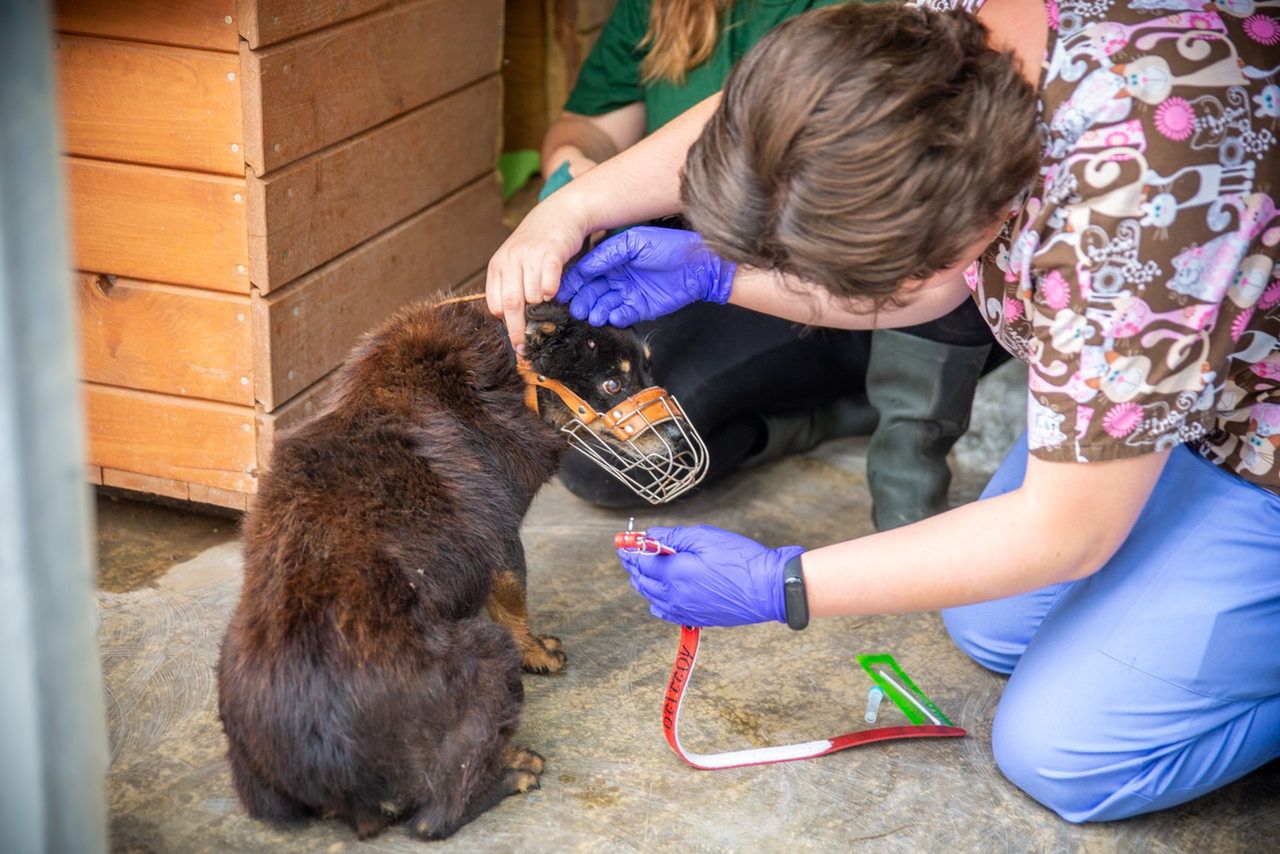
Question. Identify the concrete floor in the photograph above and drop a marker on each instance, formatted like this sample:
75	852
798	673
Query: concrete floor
170	580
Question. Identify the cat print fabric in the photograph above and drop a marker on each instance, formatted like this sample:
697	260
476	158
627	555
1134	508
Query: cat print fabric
1138	278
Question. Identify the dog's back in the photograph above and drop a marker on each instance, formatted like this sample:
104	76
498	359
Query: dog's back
358	677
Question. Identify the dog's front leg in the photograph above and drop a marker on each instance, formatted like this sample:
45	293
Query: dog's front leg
506	607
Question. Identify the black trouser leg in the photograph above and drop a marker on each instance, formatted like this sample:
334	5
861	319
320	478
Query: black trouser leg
921	380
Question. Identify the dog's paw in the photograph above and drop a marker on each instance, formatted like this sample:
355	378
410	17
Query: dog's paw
524	759
518	781
544	655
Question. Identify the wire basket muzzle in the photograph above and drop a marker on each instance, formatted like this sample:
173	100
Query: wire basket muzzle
647	442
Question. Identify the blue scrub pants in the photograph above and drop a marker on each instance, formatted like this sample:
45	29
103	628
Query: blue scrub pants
1156	679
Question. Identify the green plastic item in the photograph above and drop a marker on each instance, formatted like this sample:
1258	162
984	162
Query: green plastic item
897	685
516	168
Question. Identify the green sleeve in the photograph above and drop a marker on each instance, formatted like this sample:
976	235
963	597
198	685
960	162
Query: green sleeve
610	78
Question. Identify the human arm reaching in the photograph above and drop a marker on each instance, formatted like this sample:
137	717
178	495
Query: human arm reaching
639	184
645	273
585	141
1063	523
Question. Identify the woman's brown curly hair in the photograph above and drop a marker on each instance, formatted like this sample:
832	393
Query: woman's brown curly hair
858	147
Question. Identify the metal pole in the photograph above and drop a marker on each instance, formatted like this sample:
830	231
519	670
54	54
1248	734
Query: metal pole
53	753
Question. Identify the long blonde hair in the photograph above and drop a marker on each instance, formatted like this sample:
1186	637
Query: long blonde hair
682	35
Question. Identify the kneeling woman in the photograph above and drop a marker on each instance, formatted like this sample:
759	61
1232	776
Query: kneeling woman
1100	183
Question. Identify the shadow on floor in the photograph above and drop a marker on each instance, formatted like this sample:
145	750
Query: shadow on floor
611	782
139	541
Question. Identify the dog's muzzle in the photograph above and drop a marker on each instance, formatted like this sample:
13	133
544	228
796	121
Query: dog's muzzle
646	441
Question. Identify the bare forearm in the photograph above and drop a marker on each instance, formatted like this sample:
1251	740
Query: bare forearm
935	563
769	293
1013	543
575	135
642	182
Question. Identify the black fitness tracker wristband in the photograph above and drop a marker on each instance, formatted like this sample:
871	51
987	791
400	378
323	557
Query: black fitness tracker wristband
794	597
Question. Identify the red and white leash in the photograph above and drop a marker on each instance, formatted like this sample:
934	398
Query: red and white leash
682	672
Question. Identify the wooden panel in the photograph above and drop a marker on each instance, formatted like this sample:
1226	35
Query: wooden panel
317	208
290	414
145	483
193	23
188	440
306	329
264	22
159	224
311	92
545	45
144	103
162	338
203	494
307	402
93	474
524	85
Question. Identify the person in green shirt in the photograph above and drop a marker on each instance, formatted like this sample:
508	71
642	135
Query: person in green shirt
758	387
654	60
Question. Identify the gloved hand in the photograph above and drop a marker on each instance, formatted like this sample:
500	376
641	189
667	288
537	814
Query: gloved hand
715	578
644	273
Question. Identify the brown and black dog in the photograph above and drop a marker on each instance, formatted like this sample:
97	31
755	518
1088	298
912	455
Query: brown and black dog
358	677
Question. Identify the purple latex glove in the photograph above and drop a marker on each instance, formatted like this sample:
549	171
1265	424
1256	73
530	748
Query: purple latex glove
644	273
715	578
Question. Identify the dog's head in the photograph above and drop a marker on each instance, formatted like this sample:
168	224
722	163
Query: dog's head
602	365
619	418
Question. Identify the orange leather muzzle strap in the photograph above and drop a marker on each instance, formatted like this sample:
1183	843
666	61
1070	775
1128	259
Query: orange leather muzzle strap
534	380
643	409
625	421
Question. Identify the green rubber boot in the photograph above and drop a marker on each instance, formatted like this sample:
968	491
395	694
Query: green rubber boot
923	391
800	431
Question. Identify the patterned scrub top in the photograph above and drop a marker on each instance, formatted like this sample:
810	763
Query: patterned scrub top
1138	277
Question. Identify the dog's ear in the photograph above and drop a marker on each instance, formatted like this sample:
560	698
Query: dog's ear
544	321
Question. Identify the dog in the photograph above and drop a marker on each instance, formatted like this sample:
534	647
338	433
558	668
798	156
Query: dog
358	678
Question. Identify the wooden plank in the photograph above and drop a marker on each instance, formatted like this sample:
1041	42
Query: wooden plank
524	82
208	24
264	22
187	440
311	92
308	402
314	210
545	44
290	414
180	341
145	483
203	494
93	474
159	224
303	331
145	103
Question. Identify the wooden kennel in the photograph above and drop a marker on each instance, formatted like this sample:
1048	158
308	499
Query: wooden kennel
546	43
252	184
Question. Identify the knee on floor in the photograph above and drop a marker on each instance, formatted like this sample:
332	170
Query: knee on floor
1078	786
